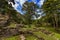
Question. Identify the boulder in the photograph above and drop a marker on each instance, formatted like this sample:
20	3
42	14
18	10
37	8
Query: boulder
3	20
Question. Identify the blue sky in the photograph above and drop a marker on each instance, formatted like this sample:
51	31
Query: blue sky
19	3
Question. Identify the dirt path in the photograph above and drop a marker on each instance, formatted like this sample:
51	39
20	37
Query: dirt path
22	37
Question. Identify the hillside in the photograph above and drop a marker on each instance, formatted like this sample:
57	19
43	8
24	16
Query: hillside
15	26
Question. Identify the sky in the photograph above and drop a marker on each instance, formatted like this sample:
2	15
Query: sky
19	3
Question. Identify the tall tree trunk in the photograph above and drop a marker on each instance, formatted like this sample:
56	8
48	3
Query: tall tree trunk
56	20
53	21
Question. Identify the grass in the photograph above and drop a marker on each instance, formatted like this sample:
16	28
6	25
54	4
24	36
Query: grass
46	37
51	29
12	25
56	35
11	38
38	33
30	37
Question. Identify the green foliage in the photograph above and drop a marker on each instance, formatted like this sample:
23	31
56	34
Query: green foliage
51	10
30	9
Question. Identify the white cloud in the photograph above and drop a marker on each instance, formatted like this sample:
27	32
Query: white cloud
41	2
34	1
22	2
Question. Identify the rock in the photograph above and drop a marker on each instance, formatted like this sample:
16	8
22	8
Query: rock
3	20
19	25
13	31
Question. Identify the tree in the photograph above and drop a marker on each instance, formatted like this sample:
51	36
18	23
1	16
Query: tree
30	11
51	9
7	10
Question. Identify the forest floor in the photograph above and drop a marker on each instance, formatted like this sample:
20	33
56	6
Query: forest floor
38	33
